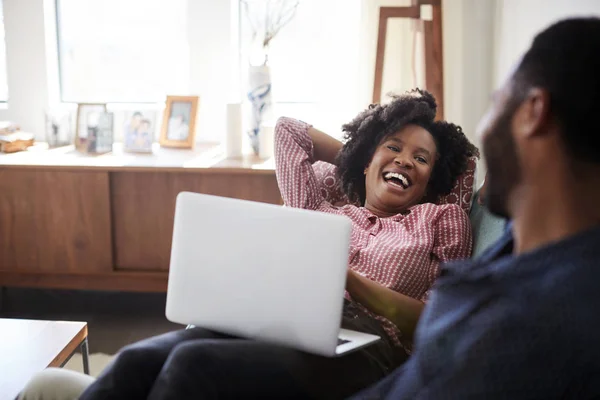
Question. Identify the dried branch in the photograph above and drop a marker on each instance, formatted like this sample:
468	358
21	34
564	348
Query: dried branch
276	15
284	18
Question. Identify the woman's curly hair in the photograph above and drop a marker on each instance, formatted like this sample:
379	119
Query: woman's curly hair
366	132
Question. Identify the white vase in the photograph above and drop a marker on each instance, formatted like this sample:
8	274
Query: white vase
261	106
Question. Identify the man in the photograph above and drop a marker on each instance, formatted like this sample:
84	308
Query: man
522	321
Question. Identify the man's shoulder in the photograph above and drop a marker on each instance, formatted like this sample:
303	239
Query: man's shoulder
550	294
523	325
503	329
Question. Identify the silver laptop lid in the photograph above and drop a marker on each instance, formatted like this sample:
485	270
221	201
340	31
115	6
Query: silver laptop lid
259	271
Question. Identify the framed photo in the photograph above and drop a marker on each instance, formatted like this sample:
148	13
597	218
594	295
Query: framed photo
179	122
138	130
85	113
100	133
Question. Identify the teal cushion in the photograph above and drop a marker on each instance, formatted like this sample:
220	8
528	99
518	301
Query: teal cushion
487	228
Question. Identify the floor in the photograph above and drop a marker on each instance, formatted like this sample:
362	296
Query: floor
114	319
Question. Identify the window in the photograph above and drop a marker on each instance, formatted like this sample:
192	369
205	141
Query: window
3	84
122	50
313	61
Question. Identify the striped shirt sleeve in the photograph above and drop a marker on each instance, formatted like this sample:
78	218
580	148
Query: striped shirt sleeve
293	165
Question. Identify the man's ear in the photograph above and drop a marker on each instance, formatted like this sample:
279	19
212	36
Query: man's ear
533	114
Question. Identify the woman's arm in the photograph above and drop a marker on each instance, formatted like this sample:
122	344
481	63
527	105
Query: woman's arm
453	241
325	148
402	310
297	147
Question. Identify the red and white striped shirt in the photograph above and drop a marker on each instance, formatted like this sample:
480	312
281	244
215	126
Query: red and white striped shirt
403	252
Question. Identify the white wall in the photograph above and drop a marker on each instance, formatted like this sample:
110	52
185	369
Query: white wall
468	32
518	21
27	71
483	39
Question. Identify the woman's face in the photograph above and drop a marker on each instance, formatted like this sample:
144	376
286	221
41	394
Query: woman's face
399	172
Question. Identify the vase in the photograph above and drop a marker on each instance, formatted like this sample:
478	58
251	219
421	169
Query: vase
261	106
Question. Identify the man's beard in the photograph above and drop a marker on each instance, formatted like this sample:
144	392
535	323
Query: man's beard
503	169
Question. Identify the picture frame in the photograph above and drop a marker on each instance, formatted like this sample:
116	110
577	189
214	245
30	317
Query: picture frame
81	122
137	128
179	122
100	136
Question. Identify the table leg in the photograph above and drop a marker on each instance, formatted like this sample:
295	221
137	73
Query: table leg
2	296
85	355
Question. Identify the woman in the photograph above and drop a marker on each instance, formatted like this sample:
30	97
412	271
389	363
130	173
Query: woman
394	156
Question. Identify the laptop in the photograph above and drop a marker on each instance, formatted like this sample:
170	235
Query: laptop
261	271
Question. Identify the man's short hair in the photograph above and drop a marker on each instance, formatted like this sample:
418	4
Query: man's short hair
564	59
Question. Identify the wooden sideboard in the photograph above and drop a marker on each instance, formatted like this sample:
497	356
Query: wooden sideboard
69	220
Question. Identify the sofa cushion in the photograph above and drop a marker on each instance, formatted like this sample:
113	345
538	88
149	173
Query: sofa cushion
462	193
487	228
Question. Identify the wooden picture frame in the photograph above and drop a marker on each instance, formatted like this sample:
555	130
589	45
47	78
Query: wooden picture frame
81	112
434	62
179	122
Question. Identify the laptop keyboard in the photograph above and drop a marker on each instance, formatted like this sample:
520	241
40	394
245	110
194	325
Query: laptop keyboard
342	341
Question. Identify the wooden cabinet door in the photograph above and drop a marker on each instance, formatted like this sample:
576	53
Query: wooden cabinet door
55	221
143	205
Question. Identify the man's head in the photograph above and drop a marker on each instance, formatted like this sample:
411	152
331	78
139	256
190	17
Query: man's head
543	120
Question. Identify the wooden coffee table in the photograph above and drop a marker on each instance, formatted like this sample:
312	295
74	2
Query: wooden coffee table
29	346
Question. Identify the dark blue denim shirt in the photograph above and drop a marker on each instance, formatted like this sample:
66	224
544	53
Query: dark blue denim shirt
509	327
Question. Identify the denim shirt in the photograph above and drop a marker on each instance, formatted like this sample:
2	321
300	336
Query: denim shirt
509	327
